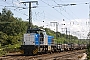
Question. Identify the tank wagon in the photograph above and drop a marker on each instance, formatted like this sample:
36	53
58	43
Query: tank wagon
37	41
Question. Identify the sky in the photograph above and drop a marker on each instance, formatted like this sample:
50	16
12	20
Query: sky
76	17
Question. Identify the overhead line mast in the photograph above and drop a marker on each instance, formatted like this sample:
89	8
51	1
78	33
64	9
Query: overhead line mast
30	14
56	23
89	23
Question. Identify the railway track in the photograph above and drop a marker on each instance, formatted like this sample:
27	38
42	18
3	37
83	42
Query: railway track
74	55
70	55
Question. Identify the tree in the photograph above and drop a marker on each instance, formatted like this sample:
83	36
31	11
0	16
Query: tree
11	27
3	38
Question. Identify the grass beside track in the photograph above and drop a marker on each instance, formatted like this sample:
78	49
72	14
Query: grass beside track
9	49
88	52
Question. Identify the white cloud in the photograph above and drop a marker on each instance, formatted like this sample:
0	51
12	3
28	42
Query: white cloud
17	3
21	0
27	0
80	29
77	27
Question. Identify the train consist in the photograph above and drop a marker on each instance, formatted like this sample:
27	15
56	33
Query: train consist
37	41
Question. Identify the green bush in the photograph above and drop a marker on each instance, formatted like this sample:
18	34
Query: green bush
9	49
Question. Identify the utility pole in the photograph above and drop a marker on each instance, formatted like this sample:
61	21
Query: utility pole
65	33
56	23
89	23
69	37
30	13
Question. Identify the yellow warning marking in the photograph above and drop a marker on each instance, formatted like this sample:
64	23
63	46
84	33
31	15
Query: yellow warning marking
35	51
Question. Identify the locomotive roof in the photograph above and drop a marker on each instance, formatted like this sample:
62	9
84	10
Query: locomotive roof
36	29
